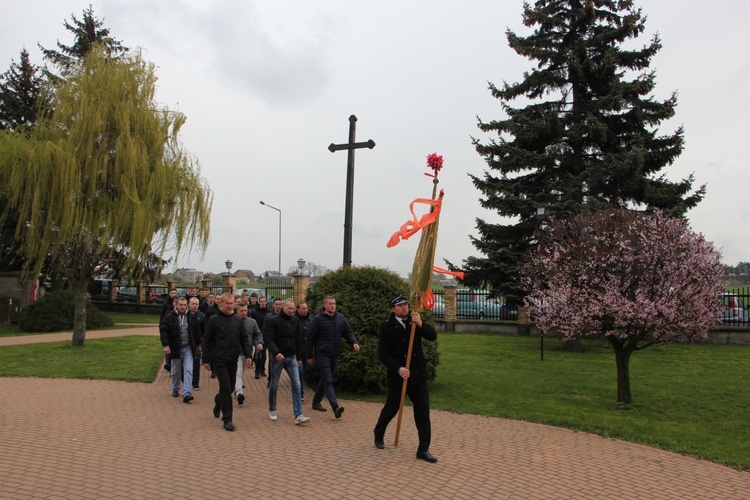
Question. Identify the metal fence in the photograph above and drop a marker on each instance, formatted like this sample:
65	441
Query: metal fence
279	289
734	306
475	304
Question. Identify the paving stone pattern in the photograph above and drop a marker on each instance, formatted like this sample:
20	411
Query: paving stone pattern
88	439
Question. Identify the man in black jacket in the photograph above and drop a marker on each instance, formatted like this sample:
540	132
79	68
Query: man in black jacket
323	345
259	315
286	345
303	315
194	308
393	344
224	340
181	339
168	306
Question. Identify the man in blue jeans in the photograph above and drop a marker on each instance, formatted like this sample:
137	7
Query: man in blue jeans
324	336
181	339
285	344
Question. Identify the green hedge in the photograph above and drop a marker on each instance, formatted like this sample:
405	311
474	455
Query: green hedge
54	313
362	295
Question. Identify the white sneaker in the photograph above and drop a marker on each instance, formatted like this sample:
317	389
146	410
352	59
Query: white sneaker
272	415
301	419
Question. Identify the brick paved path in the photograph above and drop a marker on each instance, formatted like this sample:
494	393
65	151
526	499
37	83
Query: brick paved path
93	439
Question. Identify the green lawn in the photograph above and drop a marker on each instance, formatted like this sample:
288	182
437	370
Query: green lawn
132	359
119	318
692	399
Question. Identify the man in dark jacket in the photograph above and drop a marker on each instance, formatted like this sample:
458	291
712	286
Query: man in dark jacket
194	308
324	336
303	315
181	339
284	342
168	305
224	340
393	345
215	307
259	315
166	308
256	338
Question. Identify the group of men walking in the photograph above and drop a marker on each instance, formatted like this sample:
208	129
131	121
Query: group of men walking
229	333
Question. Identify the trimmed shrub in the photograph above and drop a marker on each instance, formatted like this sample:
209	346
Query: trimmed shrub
54	313
362	295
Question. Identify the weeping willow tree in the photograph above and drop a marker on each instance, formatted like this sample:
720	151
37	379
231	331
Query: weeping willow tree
104	175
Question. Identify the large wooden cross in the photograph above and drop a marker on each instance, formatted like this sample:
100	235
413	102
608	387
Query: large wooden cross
350	147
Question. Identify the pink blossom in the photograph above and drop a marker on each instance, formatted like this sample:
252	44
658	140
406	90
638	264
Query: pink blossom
635	278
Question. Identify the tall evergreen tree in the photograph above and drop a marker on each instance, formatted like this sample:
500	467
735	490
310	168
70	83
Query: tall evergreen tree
88	31
20	90
587	136
21	98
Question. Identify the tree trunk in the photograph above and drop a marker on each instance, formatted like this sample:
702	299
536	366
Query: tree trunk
79	315
622	358
572	346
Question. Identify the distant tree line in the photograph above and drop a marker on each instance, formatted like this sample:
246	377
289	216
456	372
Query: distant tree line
739	274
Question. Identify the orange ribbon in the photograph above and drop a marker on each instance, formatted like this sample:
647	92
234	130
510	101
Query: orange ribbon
440	270
411	227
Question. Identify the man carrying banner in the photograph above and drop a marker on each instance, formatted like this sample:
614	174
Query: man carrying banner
393	345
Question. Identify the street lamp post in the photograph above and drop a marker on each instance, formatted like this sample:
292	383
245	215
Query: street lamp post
542	217
278	210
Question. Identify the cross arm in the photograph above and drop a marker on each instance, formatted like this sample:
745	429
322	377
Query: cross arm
351	145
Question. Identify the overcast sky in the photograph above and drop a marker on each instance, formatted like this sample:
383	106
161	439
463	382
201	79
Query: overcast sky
267	86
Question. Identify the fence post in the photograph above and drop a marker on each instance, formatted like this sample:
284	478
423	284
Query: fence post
524	323
451	307
140	296
113	291
229	282
301	283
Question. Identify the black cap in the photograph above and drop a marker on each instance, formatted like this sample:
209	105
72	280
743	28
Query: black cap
398	299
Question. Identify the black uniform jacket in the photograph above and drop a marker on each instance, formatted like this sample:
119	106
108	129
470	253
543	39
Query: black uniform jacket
393	345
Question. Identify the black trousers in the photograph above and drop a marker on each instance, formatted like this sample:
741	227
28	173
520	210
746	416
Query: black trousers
327	367
226	374
260	361
420	398
196	370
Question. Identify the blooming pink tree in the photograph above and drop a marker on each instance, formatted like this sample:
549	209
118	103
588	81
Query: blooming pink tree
638	279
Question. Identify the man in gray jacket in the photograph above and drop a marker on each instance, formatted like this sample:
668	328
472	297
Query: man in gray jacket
257	339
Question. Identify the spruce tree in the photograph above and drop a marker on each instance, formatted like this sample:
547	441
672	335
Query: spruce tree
20	91
88	31
584	136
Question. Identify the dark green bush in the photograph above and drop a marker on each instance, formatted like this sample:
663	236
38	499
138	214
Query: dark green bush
54	313
362	295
